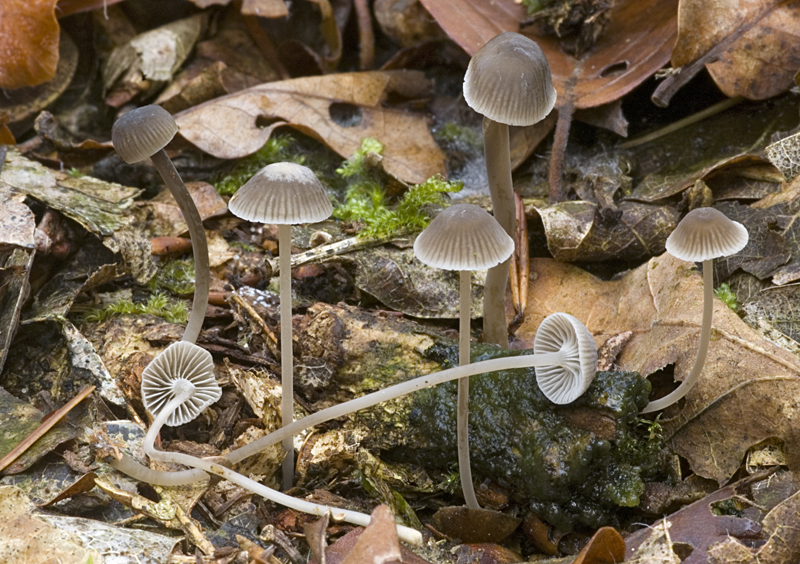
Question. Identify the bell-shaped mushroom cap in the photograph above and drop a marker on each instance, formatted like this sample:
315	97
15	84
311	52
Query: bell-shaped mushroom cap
142	132
180	365
565	382
283	193
706	233
508	80
463	237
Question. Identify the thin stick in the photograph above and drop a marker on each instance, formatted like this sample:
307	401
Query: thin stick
287	359
462	410
48	423
366	38
560	139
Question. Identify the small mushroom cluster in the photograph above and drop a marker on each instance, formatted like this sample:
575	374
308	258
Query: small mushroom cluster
180	382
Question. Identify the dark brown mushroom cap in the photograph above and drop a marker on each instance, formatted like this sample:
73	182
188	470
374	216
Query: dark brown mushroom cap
282	193
180	365
565	382
706	233
463	237
142	132
508	80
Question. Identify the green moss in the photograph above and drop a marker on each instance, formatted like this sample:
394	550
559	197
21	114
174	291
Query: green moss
276	149
724	293
158	304
244	246
365	200
457	134
176	276
567	475
75	173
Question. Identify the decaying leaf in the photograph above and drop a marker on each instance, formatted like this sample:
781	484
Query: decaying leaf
582	231
339	110
29	42
605	547
661	302
474	525
758	40
782	529
636	42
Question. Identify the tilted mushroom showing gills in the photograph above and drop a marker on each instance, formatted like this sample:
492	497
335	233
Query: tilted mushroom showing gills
284	194
564	355
176	387
464	237
508	82
567	380
143	133
703	235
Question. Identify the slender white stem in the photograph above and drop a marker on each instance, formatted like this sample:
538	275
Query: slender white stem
133	468
194	222
498	170
462	411
702	348
407	534
287	358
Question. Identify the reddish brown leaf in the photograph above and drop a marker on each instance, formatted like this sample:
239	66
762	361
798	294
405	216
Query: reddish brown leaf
637	41
28	41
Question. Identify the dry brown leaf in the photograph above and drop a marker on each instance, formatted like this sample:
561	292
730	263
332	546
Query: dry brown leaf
637	42
28	41
378	543
745	392
759	59
230	127
781	525
605	547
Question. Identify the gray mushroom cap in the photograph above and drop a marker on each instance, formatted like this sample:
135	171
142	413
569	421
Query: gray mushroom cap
706	233
282	193
508	80
463	237
142	132
565	382
180	365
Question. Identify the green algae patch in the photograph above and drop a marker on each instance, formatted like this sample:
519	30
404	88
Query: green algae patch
571	465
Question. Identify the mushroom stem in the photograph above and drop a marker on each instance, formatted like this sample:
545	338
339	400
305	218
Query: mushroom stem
498	169
136	470
462	412
287	358
702	349
185	392
199	245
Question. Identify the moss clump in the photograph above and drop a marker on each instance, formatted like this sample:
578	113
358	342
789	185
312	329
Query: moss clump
366	203
566	474
158	304
724	293
276	149
176	276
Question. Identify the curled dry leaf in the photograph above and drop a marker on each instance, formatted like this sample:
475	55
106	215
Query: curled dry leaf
746	387
231	127
29	42
637	42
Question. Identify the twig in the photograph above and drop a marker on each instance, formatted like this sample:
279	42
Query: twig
560	138
365	35
272	341
48	423
330	250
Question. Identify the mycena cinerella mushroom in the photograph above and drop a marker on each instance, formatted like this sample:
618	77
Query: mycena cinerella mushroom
702	235
508	81
464	237
284	194
143	133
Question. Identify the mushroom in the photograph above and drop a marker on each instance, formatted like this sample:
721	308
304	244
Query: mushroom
284	194
176	387
464	237
143	133
508	82
566	354
702	235
565	381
